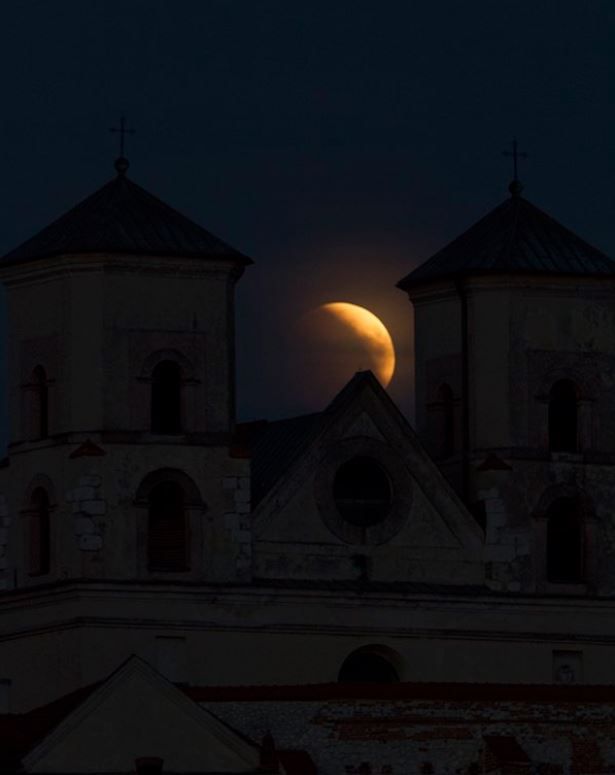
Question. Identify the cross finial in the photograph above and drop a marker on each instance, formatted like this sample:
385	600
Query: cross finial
515	187
121	163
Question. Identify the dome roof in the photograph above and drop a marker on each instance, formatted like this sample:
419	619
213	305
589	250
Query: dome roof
515	237
121	217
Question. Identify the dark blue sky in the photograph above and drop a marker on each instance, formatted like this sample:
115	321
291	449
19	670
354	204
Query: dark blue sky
338	143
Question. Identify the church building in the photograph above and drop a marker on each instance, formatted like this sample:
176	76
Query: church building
338	593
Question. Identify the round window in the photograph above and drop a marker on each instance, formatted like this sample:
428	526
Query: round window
362	492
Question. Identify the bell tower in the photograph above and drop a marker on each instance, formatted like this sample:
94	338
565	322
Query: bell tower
121	392
515	355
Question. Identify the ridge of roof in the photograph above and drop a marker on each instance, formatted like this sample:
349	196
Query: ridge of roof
274	445
516	236
122	217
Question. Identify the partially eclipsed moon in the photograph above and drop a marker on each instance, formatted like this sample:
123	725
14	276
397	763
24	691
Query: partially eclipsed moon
371	331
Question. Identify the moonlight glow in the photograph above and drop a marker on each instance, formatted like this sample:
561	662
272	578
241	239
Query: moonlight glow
372	331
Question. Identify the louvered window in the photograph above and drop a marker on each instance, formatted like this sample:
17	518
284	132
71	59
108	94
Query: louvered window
563	416
167	529
40	545
39	404
166	398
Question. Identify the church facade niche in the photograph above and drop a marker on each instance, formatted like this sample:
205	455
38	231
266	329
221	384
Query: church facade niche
169	523
371	664
563	416
36	405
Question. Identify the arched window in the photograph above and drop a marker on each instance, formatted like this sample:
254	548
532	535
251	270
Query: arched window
167	540
166	398
446	406
563	416
40	544
565	542
39	404
368	665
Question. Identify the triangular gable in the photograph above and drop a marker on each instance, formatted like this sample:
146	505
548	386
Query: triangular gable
363	407
136	712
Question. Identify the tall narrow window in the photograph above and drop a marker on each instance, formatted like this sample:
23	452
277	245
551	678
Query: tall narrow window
39	407
446	408
563	416
40	544
166	536
166	398
565	542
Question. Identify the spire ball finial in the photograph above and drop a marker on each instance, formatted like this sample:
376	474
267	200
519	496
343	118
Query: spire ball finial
121	165
515	187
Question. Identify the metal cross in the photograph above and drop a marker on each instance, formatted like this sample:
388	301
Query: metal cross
122	131
515	155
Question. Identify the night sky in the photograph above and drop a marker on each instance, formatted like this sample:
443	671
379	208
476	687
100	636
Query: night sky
338	143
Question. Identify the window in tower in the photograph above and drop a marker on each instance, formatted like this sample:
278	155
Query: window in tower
167	544
39	404
40	533
166	398
565	541
563	398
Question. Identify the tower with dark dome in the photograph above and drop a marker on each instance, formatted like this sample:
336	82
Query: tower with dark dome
515	362
122	411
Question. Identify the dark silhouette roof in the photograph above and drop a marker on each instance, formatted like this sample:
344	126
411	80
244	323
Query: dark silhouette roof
274	445
514	237
121	217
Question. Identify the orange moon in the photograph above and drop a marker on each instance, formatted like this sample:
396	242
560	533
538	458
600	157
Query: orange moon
364	327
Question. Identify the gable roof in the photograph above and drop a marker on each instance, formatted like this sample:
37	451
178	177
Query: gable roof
298	434
122	217
275	445
412	715
140	711
514	237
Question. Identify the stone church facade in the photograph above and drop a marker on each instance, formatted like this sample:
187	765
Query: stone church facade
253	582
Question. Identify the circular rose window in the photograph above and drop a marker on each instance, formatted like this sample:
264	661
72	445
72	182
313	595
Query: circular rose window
362	492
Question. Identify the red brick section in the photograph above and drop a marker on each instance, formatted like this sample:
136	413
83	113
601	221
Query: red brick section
454	692
586	756
297	763
504	754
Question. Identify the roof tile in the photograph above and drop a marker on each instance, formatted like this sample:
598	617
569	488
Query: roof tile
121	217
514	237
